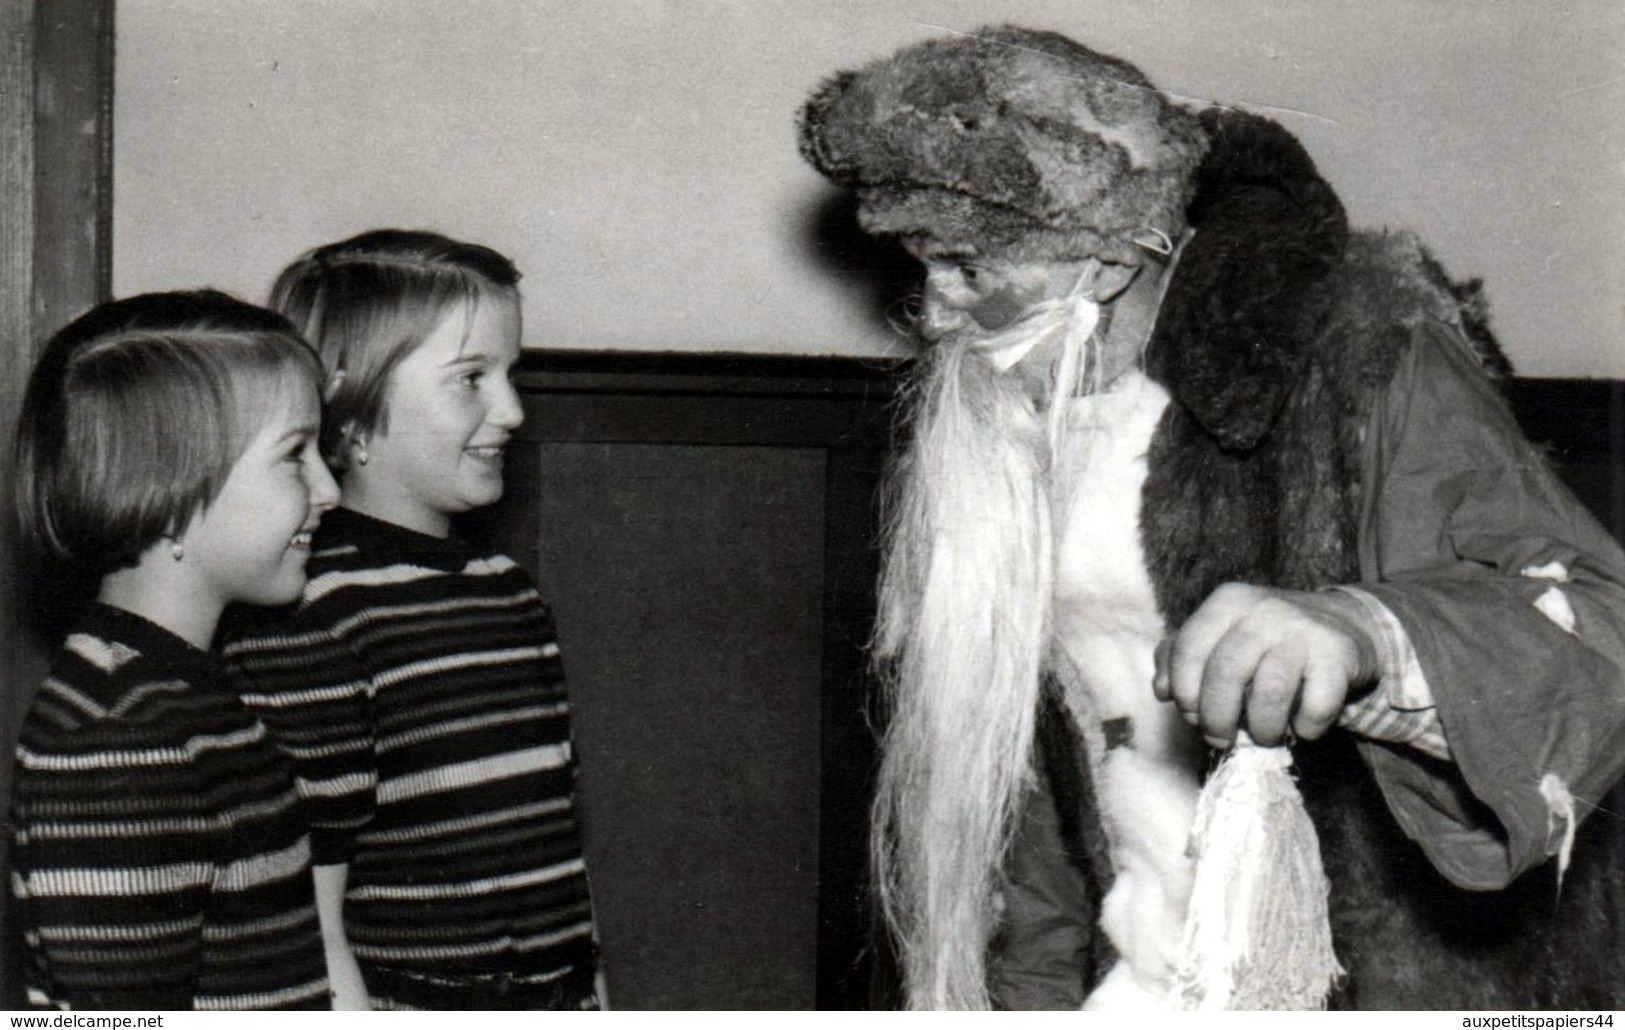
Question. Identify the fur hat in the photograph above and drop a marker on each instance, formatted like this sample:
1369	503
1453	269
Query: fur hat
1022	143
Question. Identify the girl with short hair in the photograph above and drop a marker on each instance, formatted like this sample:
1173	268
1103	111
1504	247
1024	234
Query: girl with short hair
167	448
457	843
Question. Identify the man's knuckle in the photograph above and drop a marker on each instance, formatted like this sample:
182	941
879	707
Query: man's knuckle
1322	701
1275	678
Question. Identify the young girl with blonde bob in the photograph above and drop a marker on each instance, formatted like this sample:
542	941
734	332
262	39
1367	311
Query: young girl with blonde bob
420	671
168	448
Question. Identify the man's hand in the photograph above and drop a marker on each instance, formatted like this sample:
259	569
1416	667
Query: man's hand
1261	659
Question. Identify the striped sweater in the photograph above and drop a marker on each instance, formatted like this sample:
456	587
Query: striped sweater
418	685
161	859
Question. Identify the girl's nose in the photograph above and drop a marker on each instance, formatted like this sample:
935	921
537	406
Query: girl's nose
324	490
506	410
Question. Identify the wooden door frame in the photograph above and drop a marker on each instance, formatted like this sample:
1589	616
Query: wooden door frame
56	213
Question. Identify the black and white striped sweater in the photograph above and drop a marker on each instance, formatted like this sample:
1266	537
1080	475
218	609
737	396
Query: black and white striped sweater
161	856
419	687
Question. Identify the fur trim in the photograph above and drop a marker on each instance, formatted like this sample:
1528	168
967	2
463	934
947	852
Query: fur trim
1284	510
1270	260
1251	286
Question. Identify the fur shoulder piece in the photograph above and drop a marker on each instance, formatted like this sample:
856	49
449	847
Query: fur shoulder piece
1253	284
1387	286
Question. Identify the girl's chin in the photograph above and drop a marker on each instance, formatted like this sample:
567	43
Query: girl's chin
483	489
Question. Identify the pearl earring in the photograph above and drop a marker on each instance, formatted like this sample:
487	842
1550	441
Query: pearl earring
177	550
361	455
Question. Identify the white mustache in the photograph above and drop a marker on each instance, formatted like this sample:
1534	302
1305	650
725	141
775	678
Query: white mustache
1075	316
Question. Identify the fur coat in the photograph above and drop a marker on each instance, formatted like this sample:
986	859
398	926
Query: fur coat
1304	362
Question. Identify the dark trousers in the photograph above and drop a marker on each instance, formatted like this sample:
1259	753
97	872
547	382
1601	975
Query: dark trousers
394	988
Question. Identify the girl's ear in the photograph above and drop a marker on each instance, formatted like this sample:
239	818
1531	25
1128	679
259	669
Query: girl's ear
177	527
352	446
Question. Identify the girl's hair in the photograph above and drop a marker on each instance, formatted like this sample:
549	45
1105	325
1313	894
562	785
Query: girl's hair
367	302
136	413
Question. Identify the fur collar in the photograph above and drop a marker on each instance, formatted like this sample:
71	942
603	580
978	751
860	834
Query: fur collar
1252	286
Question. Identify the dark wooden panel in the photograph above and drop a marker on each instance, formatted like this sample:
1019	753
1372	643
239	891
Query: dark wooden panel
73	140
687	583
846	782
669	373
16	334
715	420
1582	424
721	399
694	585
689	587
56	95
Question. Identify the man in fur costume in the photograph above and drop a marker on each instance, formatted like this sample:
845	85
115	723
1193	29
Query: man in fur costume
1190	459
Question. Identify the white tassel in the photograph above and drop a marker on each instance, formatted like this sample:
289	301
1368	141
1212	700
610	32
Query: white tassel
1257	935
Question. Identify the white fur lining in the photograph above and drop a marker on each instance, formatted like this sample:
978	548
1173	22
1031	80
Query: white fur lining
1106	629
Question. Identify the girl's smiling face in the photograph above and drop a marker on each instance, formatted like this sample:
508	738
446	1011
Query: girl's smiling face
449	411
250	542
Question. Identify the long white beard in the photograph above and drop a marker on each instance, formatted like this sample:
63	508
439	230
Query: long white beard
968	613
965	597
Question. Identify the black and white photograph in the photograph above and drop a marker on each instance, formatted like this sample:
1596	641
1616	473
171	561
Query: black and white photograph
783	505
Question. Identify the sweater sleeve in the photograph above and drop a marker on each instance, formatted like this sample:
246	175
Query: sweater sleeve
113	861
314	696
1514	599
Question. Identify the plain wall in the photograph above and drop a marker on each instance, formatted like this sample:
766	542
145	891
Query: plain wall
637	157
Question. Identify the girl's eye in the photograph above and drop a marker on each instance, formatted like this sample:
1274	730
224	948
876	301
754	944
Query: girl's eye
301	454
471	380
